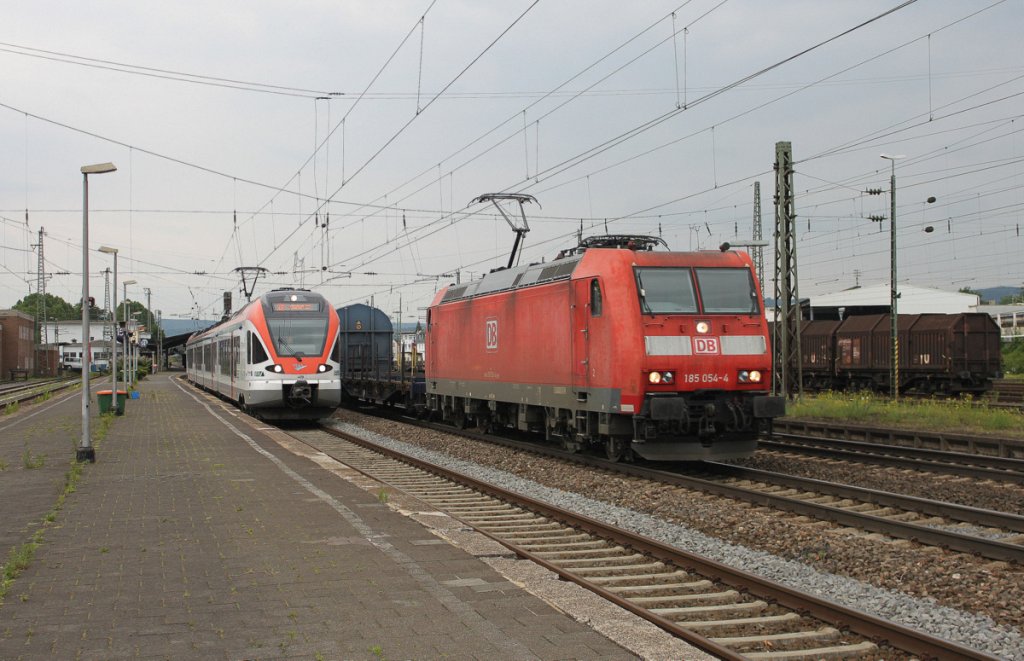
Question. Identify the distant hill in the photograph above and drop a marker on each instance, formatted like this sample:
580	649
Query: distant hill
996	294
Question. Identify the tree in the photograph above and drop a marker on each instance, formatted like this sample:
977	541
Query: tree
1013	299
55	306
142	315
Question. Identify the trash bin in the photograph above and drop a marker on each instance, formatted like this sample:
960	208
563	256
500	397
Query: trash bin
122	396
105	397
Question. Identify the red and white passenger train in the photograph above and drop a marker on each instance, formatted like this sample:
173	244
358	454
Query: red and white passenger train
614	345
276	357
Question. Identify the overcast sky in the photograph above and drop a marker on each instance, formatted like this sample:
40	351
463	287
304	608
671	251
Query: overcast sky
239	128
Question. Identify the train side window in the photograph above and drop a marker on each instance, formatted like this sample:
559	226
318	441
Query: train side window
595	298
259	354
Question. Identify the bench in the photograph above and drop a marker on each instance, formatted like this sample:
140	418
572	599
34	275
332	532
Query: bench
16	374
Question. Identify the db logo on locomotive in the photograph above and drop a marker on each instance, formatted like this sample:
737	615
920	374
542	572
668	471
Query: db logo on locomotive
705	345
491	333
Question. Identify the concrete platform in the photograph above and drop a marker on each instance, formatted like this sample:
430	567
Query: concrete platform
198	535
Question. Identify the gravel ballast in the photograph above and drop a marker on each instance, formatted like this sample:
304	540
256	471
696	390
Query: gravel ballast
951	595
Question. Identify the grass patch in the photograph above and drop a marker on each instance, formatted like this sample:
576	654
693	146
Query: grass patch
963	415
20	557
18	560
32	462
11	408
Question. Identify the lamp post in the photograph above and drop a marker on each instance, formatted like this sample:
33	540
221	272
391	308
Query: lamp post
127	382
86	452
894	338
113	335
149	319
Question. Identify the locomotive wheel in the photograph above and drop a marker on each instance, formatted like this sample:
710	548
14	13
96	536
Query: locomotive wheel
616	449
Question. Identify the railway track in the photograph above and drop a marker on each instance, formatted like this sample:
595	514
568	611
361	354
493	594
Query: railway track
730	613
23	392
989	534
972	444
978	466
1007	392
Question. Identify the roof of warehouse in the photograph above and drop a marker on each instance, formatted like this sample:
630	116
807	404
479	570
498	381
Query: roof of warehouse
913	300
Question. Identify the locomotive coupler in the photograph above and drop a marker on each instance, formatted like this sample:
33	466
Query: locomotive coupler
301	392
706	424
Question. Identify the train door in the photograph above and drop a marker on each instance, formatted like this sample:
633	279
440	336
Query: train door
236	357
580	324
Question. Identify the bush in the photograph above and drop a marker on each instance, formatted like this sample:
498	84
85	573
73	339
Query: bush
1013	356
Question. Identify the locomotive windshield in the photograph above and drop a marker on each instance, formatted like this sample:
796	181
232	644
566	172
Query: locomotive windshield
727	290
297	324
666	291
672	291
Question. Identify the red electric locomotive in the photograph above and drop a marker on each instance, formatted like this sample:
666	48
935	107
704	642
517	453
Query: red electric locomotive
612	344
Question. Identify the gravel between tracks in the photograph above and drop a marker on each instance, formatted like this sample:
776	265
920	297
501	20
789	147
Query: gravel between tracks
969	600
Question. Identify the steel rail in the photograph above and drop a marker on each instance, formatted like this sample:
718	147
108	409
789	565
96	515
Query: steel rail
988	548
948	539
952	540
864	624
950	442
24	393
985	467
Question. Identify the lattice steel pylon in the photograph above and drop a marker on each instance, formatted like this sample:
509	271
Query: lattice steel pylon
107	326
788	380
41	291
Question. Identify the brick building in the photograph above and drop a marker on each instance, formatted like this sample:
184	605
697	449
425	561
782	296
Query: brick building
17	343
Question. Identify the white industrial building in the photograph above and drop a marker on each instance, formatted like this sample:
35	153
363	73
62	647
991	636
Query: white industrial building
875	300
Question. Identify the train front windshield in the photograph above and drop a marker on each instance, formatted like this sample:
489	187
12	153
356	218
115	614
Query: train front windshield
297	328
672	291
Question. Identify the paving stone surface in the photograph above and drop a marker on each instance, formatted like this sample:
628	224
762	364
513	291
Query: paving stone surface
196	536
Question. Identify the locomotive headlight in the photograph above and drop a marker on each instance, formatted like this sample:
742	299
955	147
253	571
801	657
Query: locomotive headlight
750	376
275	368
662	378
703	327
323	367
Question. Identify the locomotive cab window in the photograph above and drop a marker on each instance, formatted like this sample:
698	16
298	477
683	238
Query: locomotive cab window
725	290
595	298
666	291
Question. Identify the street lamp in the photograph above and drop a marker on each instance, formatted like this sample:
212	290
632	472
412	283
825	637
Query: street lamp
894	340
127	382
86	452
113	335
